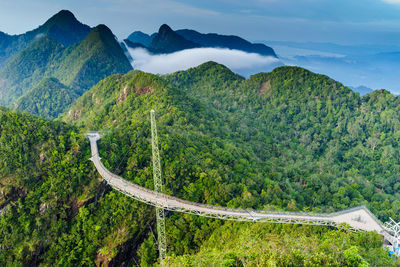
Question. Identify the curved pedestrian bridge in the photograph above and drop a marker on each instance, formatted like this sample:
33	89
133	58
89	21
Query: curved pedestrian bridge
358	218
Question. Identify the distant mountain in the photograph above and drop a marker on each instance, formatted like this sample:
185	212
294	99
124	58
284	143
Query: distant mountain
225	41
167	41
48	99
362	90
134	44
79	66
164	41
63	28
140	37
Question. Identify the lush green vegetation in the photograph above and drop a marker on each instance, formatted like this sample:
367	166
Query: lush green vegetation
285	140
246	244
57	210
41	166
324	146
48	99
277	138
63	27
78	66
27	69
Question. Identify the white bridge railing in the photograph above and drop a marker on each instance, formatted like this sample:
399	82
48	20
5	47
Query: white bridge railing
357	218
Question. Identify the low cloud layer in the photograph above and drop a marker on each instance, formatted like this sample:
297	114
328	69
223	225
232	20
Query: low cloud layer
238	61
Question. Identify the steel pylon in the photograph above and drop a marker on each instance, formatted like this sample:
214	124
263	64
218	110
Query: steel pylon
162	243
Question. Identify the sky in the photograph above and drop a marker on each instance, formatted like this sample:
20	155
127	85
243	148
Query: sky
336	21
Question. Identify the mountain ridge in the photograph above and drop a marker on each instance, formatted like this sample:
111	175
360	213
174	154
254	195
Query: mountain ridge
192	39
226	41
62	27
78	66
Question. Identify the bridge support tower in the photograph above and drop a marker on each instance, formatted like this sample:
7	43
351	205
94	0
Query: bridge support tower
162	244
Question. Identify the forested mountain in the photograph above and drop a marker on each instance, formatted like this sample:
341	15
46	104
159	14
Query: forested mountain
78	67
323	139
27	69
285	140
43	168
48	99
168	41
302	135
96	57
63	28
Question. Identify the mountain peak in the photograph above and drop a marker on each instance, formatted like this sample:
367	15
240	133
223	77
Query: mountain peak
64	17
65	14
168	41
213	66
63	27
102	33
165	29
103	29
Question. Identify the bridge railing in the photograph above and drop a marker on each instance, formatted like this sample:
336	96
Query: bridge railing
192	207
234	210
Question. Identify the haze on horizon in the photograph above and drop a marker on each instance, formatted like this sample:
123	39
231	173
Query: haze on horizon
340	21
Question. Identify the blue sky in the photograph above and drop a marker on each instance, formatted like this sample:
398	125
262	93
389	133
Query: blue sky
337	21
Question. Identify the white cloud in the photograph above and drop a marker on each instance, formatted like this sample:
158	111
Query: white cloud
394	2
238	61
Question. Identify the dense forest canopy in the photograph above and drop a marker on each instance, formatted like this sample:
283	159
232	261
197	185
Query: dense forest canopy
285	140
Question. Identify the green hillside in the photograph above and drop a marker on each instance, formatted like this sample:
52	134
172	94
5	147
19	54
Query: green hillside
256	244
294	158
325	146
57	210
63	27
96	57
48	99
42	166
285	140
27	69
79	66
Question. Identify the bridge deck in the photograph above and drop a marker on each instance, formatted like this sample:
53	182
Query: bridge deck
359	218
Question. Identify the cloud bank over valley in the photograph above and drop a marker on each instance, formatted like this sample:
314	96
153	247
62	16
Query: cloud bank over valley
238	61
